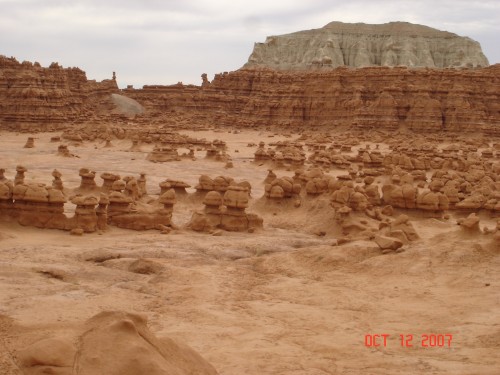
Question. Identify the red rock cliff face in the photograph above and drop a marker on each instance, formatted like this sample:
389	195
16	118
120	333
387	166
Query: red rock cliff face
422	100
36	98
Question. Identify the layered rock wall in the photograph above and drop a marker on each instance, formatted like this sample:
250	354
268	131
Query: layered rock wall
37	98
33	98
361	45
422	100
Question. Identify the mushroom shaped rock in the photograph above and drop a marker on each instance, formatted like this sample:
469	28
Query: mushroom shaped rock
117	197
5	191
19	178
164	187
108	180
85	215
18	192
118	186
287	184
276	192
213	198
88	182
205	183
179	186
221	183
236	197
57	182
56	196
81	200
245	185
200	222
168	198
316	186
36	193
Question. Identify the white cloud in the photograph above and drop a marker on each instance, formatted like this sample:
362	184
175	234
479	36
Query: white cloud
165	41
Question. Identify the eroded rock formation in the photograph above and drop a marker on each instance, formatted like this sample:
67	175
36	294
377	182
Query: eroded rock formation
360	45
111	342
33	98
37	98
389	98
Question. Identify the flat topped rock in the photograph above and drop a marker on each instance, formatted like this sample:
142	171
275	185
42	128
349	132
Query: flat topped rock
360	45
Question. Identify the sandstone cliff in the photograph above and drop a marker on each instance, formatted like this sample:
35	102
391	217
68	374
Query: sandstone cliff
360	45
37	98
422	100
33	98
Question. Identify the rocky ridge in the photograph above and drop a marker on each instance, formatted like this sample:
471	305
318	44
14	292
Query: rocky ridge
420	100
34	97
360	45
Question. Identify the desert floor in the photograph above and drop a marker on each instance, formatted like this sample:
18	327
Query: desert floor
282	300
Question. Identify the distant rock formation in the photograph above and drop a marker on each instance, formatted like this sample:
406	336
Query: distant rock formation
421	100
360	45
390	98
34	97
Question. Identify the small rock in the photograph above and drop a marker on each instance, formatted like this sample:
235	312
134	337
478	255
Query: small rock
388	210
400	235
145	267
164	229
388	243
470	223
401	219
76	232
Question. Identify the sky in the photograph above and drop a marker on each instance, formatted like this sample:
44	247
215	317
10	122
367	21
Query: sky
169	41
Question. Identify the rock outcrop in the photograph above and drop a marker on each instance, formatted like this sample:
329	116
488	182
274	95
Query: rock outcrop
111	342
361	45
34	98
225	212
389	98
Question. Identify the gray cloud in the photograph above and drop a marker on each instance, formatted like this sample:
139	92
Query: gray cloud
165	41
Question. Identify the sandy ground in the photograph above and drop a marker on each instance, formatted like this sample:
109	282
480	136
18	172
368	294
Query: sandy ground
279	301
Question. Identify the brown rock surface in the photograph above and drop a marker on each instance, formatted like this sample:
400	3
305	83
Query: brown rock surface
33	98
423	100
388	243
112	343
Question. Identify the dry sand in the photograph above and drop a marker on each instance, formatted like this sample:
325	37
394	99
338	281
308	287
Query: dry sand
279	301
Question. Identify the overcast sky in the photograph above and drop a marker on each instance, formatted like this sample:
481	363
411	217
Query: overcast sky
167	41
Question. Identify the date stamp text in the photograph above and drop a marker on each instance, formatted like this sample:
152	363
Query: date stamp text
409	340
